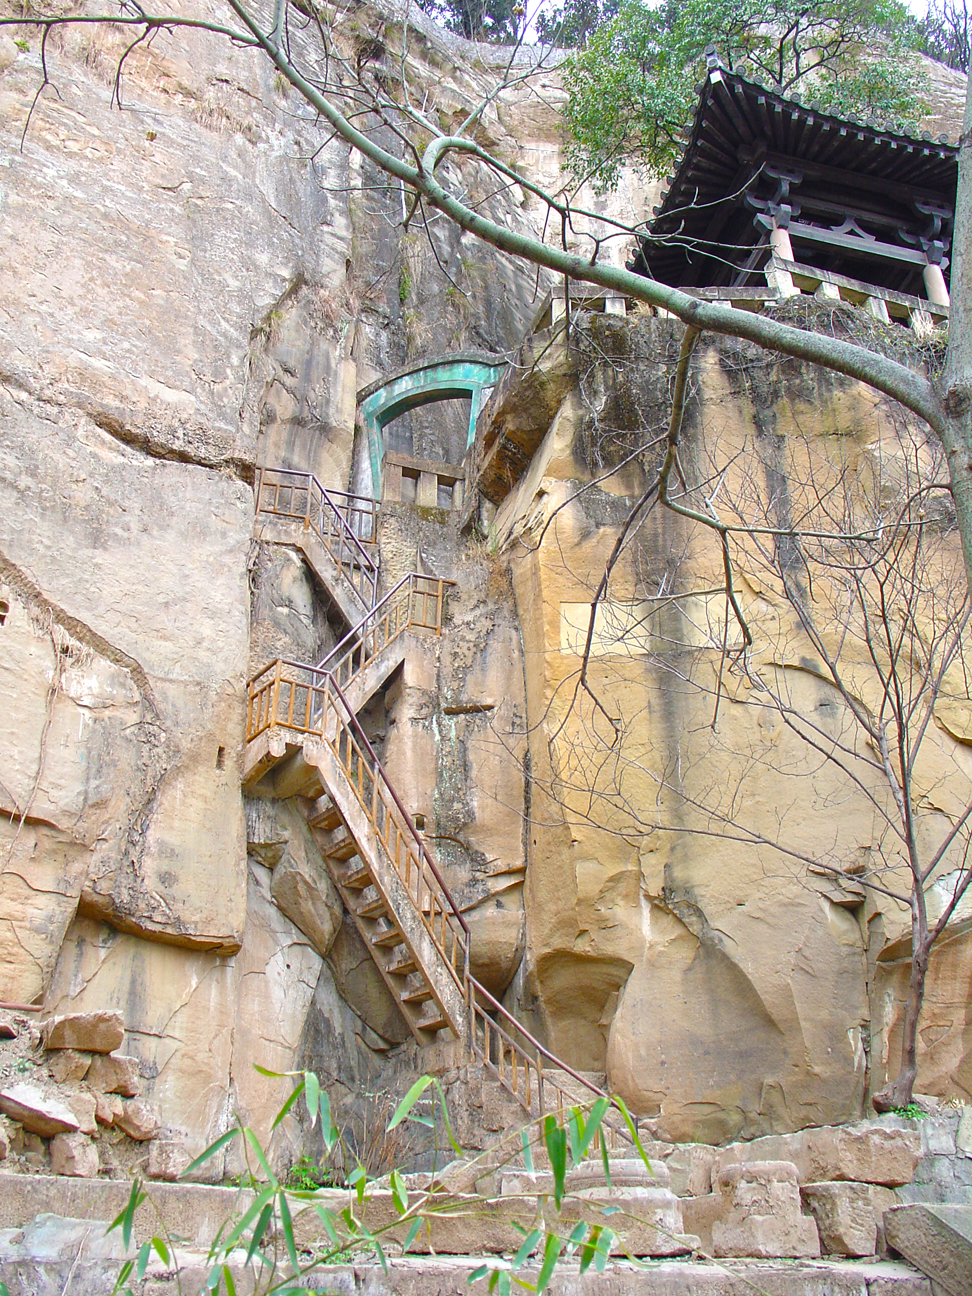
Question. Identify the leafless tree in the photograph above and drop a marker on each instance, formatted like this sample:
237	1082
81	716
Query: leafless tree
804	563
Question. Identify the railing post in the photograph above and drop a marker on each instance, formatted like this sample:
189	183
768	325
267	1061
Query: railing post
272	718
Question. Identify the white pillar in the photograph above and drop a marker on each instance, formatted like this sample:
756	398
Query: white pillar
935	285
781	249
877	309
780	243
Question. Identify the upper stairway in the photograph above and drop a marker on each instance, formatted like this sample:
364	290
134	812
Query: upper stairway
303	739
335	531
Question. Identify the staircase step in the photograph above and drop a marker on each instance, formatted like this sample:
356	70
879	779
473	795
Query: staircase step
433	1023
358	879
388	939
342	848
323	814
405	968
374	909
417	996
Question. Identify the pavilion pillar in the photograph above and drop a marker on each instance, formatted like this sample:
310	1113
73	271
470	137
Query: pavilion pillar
935	285
781	250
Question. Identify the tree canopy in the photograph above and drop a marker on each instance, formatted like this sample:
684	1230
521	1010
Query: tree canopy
633	88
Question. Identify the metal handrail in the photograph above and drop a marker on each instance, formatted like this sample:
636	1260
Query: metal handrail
358	552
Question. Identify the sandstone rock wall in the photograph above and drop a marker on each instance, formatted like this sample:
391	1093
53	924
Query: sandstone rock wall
726	989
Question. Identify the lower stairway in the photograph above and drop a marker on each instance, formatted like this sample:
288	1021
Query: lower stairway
303	739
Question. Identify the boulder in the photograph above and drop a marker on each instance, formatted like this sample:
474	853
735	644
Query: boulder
74	1155
167	1159
95	1032
108	1108
68	1064
139	1119
761	1213
844	1215
84	1106
937	1240
37	1111
115	1074
308	898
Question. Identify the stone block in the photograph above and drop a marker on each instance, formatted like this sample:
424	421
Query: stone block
937	1240
68	1064
115	1074
84	1106
963	1136
938	1135
37	1111
4	1140
167	1159
761	1214
699	1214
690	1167
844	1215
74	1155
860	1154
93	1032
108	1107
139	1119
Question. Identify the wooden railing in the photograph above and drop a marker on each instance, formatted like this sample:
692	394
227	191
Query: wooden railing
310	700
415	603
345	524
523	1066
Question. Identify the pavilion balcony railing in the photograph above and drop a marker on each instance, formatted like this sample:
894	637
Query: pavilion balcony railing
345	524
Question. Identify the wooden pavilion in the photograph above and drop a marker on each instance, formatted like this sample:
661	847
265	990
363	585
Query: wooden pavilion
773	192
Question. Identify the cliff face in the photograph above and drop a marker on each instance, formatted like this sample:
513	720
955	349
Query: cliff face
201	283
703	821
191	285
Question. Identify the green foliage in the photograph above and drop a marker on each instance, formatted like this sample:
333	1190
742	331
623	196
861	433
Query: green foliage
633	90
24	48
284	1257
404	284
308	1176
484	20
572	24
911	1112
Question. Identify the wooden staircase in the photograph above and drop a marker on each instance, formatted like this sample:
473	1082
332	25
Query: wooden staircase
303	739
335	531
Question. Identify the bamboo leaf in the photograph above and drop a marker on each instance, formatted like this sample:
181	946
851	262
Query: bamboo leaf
381	1255
576	1237
551	1252
412	1234
598	1112
287	1224
358	1179
527	1248
211	1151
254	1143
475	1276
312	1093
409	1101
254	1209
606	1162
632	1130
590	1248
228	1280
527	1151
125	1219
144	1251
259	1230
505	1282
445	1116
161	1248
603	1250
556	1139
327	1219
295	1094
399	1192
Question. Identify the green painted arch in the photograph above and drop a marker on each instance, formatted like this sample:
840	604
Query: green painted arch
453	377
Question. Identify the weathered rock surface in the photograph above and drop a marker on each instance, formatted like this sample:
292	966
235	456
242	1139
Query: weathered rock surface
863	1154
38	1112
115	1074
844	1215
937	1240
760	1213
140	1120
69	1064
74	1155
95	1032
